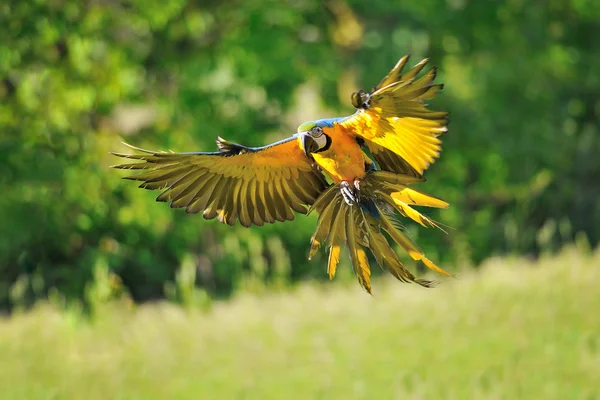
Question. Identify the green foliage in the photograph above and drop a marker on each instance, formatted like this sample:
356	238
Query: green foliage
519	165
514	330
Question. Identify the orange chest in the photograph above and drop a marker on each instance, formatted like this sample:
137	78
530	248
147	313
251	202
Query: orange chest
344	160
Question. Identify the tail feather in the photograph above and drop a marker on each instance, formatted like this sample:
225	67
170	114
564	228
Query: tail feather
330	210
333	260
413	250
408	211
383	253
359	259
340	223
416	198
408	244
385	178
324	199
396	192
336	235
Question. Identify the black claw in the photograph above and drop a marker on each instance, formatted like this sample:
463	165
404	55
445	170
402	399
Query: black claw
347	198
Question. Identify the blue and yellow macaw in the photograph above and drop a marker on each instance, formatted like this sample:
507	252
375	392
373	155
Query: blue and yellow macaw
257	185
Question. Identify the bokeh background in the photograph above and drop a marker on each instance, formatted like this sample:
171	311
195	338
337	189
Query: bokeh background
519	166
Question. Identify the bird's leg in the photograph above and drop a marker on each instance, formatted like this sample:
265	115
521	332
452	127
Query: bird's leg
351	193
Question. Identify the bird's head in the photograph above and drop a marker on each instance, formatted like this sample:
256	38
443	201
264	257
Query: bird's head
312	137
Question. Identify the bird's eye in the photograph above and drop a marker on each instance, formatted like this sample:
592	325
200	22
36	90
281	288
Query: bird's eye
316	131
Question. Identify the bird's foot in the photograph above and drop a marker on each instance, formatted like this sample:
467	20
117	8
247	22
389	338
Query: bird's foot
351	193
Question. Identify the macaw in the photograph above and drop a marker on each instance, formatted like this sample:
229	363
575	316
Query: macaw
258	185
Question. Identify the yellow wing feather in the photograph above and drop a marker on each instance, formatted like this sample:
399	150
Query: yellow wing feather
252	185
395	123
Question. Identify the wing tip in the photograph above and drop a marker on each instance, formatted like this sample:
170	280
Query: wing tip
138	148
429	284
404	59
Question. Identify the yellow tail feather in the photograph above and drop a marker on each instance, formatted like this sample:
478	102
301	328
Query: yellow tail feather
359	259
324	222
383	253
337	234
410	212
417	198
339	223
334	260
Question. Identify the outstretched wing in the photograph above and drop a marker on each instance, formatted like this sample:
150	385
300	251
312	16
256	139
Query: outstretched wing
395	123
251	184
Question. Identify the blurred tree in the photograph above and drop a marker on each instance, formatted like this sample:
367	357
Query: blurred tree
519	166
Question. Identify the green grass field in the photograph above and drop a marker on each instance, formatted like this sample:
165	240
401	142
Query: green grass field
513	330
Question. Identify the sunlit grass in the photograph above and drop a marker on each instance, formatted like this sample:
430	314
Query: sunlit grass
514	330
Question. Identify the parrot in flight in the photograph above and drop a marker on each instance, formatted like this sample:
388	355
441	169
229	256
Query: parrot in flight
323	167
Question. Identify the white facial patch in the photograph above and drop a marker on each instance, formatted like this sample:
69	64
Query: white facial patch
321	141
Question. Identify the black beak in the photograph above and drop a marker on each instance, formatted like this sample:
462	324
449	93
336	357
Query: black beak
308	144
